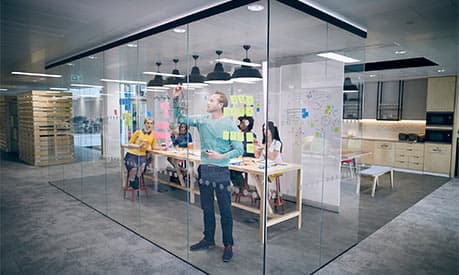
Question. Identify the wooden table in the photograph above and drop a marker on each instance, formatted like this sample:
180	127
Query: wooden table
251	167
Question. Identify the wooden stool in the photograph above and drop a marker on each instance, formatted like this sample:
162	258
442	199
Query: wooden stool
278	200
245	191
142	187
375	171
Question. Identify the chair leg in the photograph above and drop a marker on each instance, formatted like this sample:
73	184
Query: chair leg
375	181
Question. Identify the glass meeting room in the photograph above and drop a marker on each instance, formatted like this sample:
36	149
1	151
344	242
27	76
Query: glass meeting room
291	209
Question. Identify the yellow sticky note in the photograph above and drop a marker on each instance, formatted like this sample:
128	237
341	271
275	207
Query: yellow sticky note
249	111
240	136
226	135
241	111
250	148
242	99
249	137
226	111
249	99
233	135
233	99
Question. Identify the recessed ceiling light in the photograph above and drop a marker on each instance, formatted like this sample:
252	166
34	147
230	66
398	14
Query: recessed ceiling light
3	90
255	7
400	52
91	57
58	89
36	74
179	30
372	75
131	45
338	57
441	70
124	81
69	64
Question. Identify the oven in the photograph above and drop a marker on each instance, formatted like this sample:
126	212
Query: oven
439	119
439	135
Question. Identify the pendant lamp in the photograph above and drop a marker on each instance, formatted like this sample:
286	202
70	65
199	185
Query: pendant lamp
195	79
157	81
246	73
218	76
348	86
172	81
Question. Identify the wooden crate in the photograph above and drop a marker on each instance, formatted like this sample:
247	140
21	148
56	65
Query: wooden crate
45	128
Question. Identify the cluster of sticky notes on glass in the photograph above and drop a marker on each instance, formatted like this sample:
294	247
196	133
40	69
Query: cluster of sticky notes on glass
162	125
245	110
165	107
127	119
239	136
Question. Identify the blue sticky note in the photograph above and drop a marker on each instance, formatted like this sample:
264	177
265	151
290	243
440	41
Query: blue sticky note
148	114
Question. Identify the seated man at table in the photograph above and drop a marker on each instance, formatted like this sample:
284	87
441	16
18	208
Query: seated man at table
246	126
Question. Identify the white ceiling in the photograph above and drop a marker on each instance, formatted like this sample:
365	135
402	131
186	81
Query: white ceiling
36	32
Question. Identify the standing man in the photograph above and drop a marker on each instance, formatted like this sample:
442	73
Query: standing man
214	174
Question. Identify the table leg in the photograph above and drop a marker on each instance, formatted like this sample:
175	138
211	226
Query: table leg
299	195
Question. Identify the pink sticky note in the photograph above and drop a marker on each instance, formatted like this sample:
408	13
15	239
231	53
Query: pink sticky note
161	135
162	125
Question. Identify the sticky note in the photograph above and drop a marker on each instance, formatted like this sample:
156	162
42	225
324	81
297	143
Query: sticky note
233	99
166	114
226	111
249	99
249	137
250	148
249	111
233	135
240	136
226	135
240	111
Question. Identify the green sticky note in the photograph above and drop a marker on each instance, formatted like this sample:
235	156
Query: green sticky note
226	111
249	99
249	111
233	135
242	99
336	129
240	136
233	99
317	134
250	148
226	135
249	137
312	125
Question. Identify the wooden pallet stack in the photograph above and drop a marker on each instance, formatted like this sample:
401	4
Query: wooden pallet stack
45	128
3	125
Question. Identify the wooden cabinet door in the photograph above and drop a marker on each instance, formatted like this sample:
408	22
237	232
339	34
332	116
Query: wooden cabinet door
368	146
440	94
384	153
437	158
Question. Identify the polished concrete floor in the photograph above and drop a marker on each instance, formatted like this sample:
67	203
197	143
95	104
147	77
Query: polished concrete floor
166	219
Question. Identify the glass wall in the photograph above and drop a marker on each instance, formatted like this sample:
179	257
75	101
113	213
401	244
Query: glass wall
292	211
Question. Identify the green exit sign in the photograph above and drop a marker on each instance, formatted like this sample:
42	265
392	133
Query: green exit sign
75	77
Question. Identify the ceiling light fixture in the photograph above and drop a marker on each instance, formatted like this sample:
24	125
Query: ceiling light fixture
218	76
195	78
123	81
58	89
246	73
372	75
175	77
164	74
3	90
157	81
179	30
400	52
86	86
349	87
441	70
131	45
237	62
338	57
36	74
91	57
255	7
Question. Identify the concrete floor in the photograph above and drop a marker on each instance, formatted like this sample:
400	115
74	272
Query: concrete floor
162	218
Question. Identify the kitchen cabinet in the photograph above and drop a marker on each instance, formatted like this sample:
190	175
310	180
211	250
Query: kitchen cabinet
368	146
390	95
437	158
369	99
352	104
384	153
414	99
409	155
440	94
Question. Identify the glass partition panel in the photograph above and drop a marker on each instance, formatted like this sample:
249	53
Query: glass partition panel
238	35
305	98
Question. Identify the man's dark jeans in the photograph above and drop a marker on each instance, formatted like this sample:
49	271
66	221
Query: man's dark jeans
216	179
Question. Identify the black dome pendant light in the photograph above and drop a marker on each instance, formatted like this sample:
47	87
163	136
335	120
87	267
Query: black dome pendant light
218	76
246	74
195	79
172	81
157	81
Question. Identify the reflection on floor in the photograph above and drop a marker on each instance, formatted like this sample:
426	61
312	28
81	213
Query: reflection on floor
162	218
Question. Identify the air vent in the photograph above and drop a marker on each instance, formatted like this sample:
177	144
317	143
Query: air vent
389	65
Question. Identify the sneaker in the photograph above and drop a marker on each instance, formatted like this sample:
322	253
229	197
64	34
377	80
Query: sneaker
202	245
228	253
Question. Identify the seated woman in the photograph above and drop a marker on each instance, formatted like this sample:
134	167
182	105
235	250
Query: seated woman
136	157
246	126
272	141
180	139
